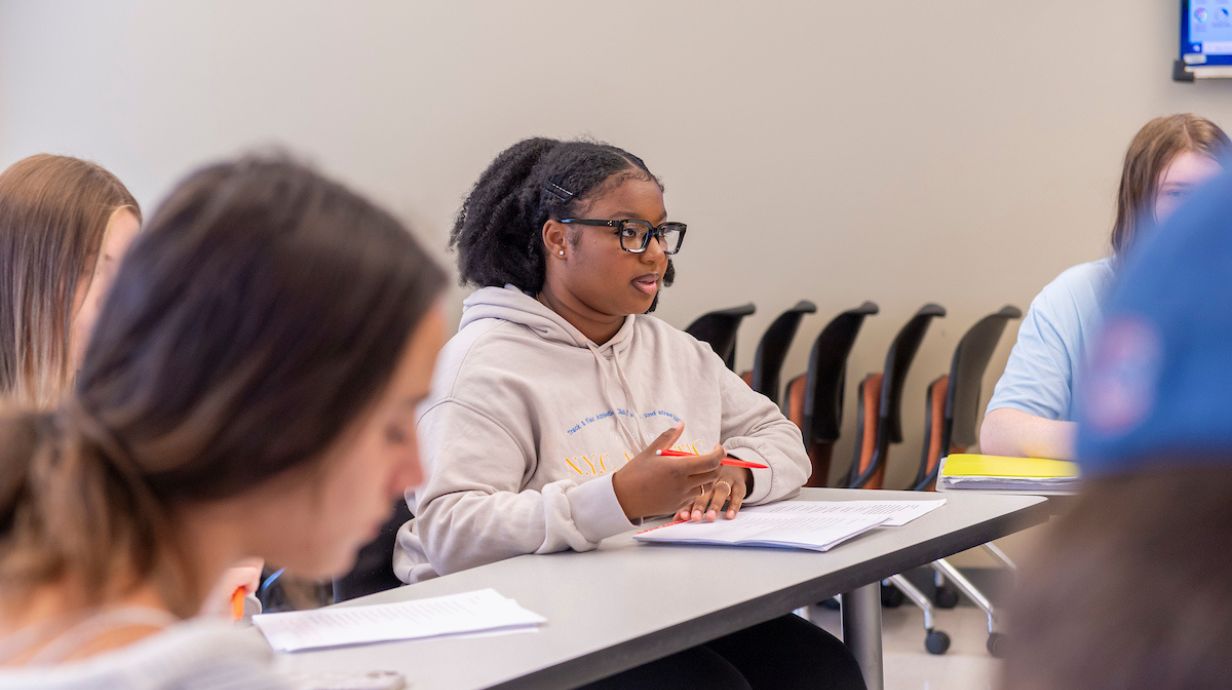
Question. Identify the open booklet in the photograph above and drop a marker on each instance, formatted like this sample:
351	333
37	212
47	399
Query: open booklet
813	525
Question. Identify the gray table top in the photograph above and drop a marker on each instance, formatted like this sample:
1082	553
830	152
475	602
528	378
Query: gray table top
629	603
1059	502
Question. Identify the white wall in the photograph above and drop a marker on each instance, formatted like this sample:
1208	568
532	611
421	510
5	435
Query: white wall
958	151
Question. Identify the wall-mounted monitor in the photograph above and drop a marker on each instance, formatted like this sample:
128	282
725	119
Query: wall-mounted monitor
1206	40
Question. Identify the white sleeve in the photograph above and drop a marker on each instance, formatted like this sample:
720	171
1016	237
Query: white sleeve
474	510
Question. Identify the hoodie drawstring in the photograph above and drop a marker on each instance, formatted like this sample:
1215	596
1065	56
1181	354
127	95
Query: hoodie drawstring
636	441
628	391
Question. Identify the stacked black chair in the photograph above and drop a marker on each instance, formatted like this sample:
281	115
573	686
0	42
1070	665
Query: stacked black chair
719	329
952	405
772	350
878	425
814	399
879	415
952	410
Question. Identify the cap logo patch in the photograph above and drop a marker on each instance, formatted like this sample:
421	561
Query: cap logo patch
1124	373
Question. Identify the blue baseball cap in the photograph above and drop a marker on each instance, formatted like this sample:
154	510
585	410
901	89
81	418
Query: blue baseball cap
1158	387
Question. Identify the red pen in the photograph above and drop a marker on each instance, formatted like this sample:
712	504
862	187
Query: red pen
729	461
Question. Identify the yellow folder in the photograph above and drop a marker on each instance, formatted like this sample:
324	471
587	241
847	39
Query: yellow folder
972	465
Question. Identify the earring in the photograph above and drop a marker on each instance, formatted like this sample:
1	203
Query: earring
562	252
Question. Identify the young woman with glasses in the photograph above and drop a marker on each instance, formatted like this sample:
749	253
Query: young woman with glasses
550	403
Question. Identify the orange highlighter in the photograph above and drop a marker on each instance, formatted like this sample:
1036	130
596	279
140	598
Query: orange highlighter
237	603
729	461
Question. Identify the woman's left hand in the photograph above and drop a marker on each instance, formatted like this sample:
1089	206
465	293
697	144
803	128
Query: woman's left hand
728	490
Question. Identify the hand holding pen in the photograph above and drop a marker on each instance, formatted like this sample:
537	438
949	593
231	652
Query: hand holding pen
652	484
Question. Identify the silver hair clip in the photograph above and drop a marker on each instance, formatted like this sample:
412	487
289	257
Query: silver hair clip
558	191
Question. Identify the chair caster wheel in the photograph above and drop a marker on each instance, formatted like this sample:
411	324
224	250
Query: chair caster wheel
891	598
945	598
996	645
936	642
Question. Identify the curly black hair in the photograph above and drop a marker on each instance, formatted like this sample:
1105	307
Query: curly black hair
498	230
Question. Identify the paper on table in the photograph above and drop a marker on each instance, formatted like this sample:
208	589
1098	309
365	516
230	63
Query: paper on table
782	530
896	513
481	610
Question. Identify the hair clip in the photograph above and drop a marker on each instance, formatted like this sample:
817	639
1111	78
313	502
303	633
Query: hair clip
558	191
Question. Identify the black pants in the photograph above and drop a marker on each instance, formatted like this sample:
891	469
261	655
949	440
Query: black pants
787	652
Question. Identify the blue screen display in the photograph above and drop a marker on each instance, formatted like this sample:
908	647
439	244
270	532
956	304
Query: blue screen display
1206	32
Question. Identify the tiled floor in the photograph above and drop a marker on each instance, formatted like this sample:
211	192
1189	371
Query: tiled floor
966	666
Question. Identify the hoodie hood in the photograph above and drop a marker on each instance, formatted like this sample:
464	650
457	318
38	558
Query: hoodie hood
511	304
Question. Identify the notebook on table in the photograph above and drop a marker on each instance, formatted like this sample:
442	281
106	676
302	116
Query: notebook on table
997	473
812	525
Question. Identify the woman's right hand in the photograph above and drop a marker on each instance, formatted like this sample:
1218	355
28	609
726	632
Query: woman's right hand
245	573
651	485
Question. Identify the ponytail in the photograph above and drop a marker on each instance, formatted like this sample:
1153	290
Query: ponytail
71	502
500	211
20	437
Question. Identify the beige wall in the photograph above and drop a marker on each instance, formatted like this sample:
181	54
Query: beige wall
957	151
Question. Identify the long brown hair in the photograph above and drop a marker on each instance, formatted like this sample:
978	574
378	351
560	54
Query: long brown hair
259	314
54	211
1153	149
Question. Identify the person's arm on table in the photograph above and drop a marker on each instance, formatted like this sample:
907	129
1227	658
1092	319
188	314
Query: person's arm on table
1027	414
1015	433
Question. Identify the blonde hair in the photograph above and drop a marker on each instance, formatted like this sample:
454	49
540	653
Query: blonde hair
54	212
1153	149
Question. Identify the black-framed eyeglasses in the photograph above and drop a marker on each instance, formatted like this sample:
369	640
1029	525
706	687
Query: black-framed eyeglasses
635	234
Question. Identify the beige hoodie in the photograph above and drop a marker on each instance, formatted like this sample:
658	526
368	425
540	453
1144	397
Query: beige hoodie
528	419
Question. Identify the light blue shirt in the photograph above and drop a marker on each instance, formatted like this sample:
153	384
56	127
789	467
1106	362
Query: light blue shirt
1046	363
